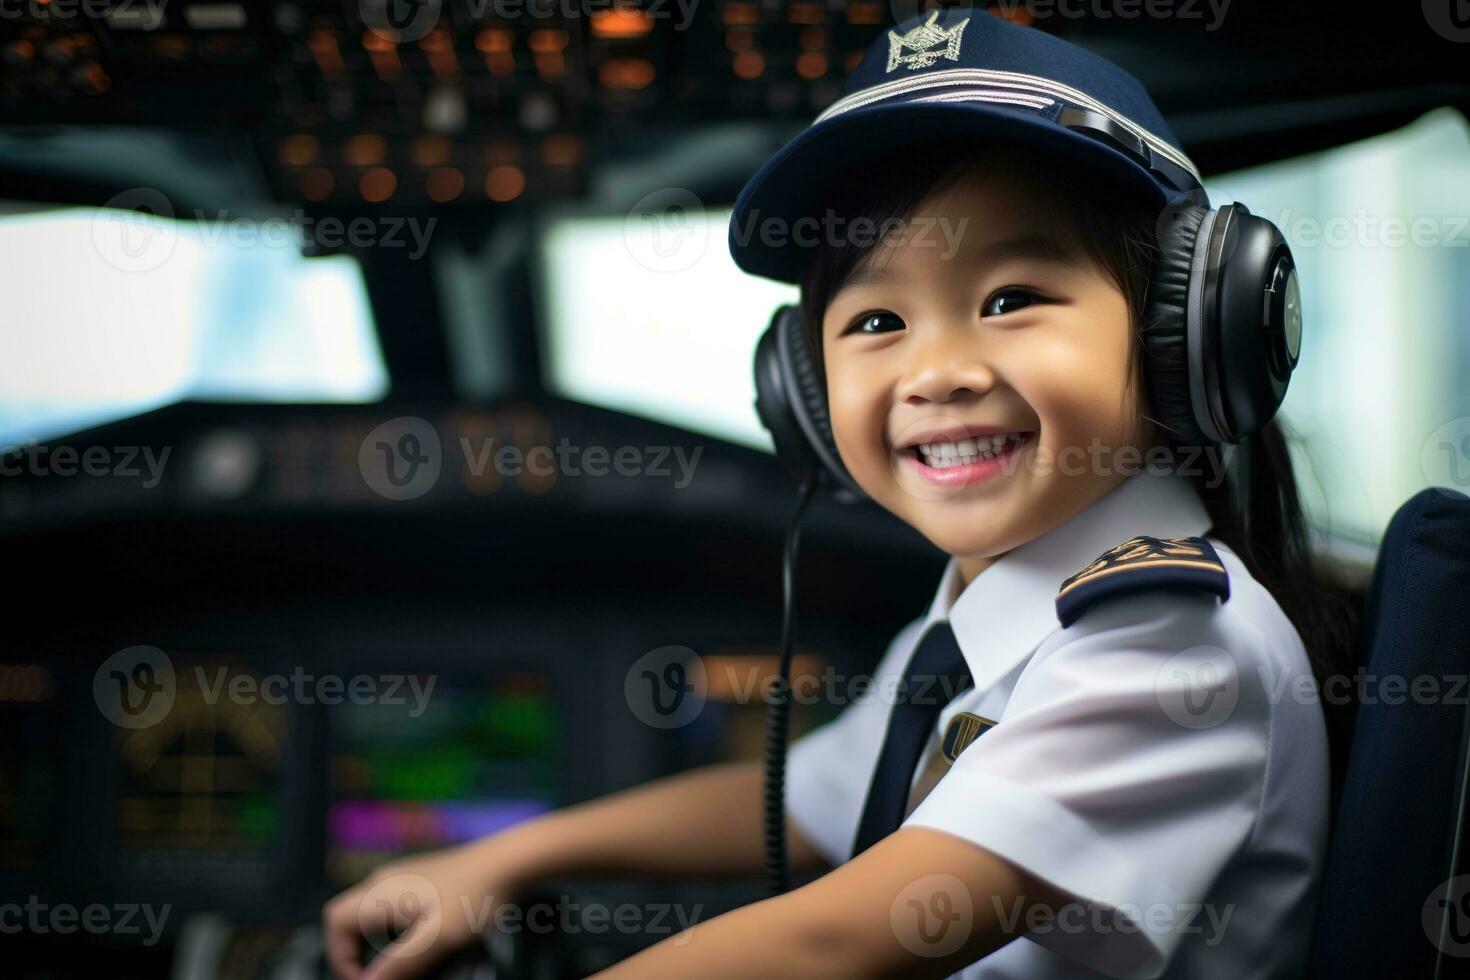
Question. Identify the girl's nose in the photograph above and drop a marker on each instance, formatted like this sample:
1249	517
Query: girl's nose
943	367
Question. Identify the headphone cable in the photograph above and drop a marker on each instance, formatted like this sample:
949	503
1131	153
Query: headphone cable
778	707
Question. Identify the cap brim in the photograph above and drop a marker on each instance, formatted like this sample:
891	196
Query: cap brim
764	237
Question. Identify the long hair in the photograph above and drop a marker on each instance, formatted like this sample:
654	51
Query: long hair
1259	518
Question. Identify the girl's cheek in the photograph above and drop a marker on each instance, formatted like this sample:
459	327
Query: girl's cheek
857	423
1077	385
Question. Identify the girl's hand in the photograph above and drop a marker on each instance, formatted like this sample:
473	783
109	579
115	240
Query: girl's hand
434	904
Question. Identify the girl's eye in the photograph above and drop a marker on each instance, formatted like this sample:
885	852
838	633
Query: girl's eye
1009	300
876	323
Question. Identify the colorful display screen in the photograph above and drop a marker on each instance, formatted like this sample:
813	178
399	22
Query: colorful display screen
478	758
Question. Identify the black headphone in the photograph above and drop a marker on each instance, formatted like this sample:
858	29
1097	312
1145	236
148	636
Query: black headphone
1222	335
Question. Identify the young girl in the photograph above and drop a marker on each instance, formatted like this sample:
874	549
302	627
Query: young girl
1099	752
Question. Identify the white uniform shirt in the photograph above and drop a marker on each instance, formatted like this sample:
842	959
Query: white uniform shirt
1163	759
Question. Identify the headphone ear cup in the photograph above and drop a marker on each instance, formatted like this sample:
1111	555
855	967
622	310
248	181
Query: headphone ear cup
792	403
1165	335
773	406
808	390
1257	330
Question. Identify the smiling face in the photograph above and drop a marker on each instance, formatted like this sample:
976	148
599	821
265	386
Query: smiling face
979	385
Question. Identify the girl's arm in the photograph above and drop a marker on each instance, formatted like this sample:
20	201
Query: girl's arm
919	903
706	821
703	822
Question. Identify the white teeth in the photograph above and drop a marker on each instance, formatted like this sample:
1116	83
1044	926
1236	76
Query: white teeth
942	455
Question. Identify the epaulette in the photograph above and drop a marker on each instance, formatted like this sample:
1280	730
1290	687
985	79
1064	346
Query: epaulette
1143	563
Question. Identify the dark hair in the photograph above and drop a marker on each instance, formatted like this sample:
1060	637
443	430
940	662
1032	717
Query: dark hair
1262	522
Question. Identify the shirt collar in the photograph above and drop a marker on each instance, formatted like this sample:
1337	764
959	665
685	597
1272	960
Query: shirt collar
1008	609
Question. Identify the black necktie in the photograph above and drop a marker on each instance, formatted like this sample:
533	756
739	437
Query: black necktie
935	674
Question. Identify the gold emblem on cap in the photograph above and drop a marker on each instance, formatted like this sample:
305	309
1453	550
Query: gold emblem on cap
921	41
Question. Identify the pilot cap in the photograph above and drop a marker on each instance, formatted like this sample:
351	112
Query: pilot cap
965	74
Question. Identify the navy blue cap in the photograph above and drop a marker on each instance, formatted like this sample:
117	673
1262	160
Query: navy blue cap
960	73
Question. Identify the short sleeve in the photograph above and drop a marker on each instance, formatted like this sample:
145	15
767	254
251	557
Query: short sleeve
828	769
1126	770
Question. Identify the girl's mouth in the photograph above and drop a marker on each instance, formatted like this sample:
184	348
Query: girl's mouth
964	461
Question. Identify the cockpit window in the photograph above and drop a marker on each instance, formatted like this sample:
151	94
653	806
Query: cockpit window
109	312
651	316
1378	230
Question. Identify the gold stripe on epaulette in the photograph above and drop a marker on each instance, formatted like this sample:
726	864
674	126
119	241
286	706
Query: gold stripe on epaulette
1208	566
